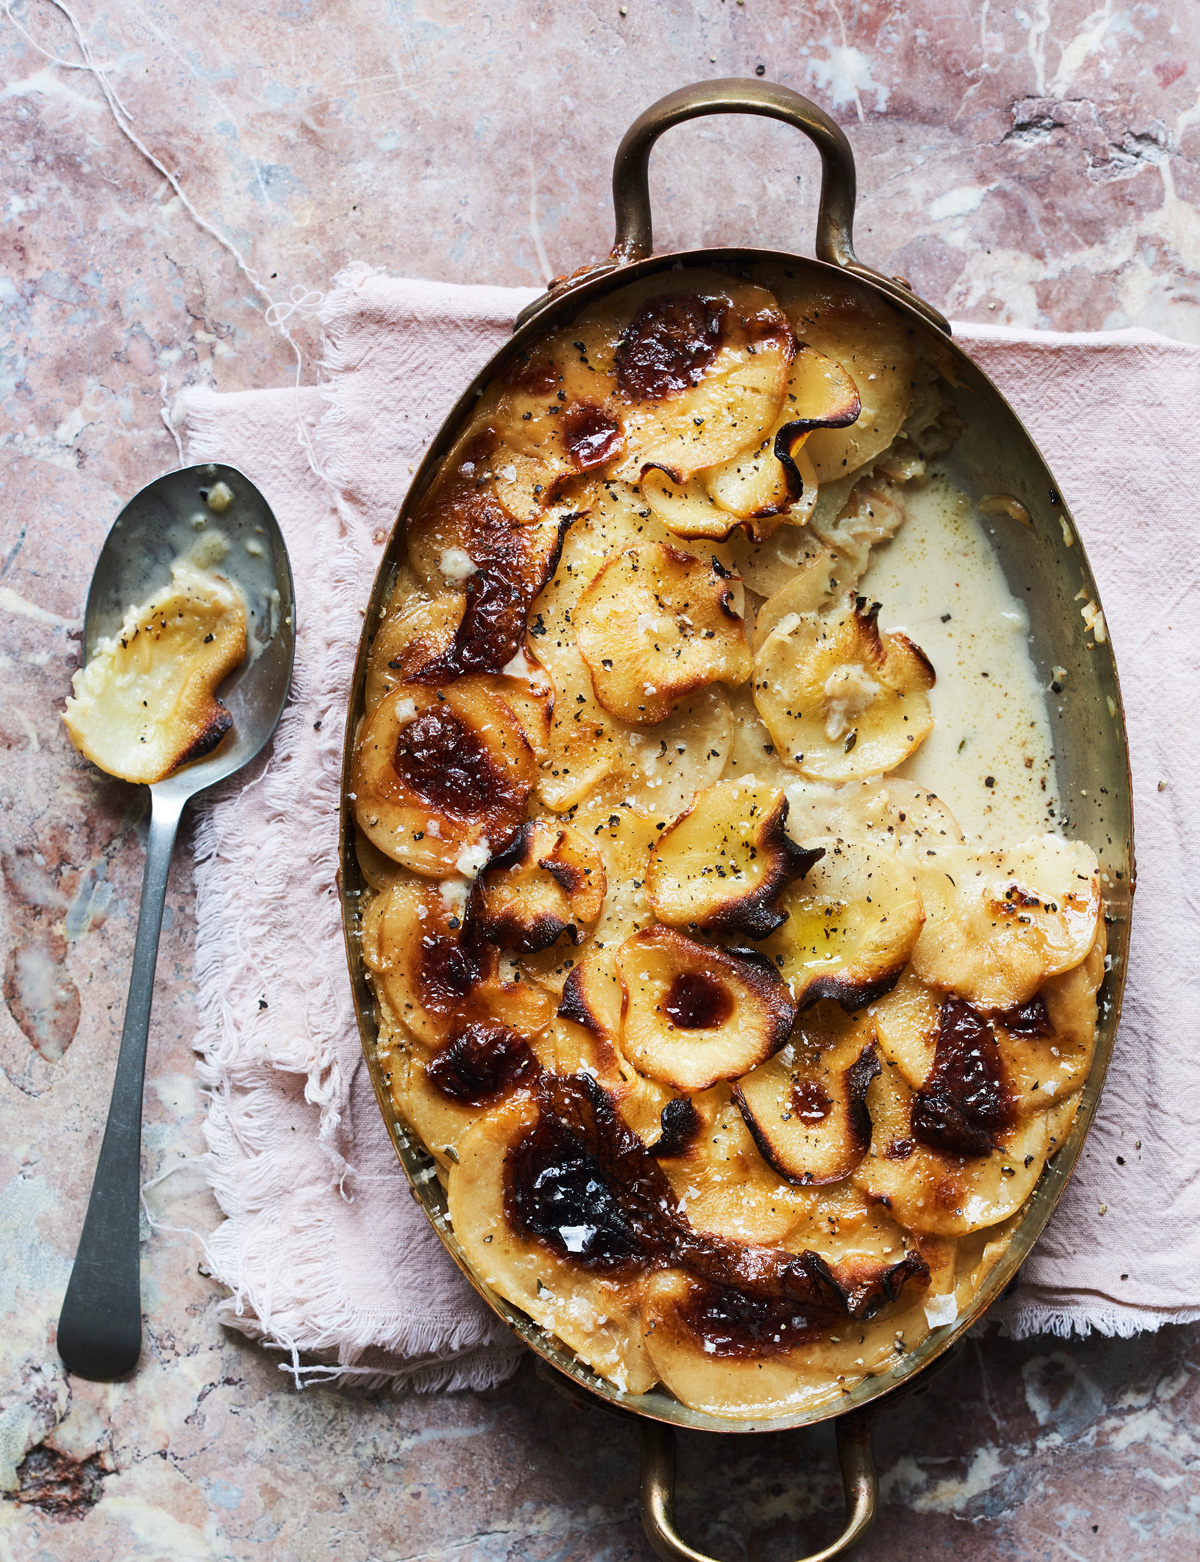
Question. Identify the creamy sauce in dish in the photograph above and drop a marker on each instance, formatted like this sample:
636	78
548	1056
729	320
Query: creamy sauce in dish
939	580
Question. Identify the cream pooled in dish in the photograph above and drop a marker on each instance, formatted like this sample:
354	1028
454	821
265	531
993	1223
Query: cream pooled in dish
146	701
737	1057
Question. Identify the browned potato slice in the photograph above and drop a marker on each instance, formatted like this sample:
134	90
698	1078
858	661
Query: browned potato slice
851	924
722	1354
875	347
806	1106
594	1316
686	509
656	624
695	1014
701	369
546	883
440	777
723	864
146	702
721	1180
945	1195
839	698
432	973
998	923
763	484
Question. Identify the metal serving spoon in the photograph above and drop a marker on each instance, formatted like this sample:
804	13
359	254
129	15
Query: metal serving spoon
100	1327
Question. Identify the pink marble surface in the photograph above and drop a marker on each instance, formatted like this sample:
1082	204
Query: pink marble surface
1035	164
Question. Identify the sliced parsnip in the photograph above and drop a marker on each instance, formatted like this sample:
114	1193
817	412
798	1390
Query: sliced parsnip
840	699
431	972
813	587
850	924
906	1027
684	753
418	630
806	1106
656	624
945	1195
1046	1062
594	1316
875	347
440	779
999	923
723	864
695	1014
549	882
686	509
885	810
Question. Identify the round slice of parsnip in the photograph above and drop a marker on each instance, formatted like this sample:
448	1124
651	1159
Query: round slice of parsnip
723	863
840	698
906	1027
850	924
410	639
806	1106
594	1316
549	882
946	1195
684	753
875	347
999	923
656	624
1047	1044
432	972
695	1014
441	778
884	810
686	509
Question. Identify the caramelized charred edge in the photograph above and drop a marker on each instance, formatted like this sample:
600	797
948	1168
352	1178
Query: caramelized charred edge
506	927
498	598
864	1296
749	966
966	1103
681	1125
590	435
1031	1020
857	1078
867	614
785	442
517	853
214	729
756	915
566	875
851	995
573	1006
930	672
650	364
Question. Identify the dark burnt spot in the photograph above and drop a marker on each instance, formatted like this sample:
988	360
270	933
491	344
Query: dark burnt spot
452	963
446	765
681	1124
1031	1019
569	876
930	672
757	914
206	740
966	1102
810	1102
480	1063
858	1078
667	346
535	376
866	1287
899	1149
697	1002
1020	899
573	1005
590	436
732	1324
512	565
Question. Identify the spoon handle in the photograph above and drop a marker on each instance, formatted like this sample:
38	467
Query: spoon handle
100	1326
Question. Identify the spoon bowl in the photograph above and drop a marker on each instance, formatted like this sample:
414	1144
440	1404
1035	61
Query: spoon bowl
100	1326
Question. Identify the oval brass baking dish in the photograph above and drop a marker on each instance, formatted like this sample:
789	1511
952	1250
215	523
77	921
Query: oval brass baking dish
995	454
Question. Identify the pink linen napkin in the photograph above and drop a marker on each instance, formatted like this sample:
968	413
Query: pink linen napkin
323	1249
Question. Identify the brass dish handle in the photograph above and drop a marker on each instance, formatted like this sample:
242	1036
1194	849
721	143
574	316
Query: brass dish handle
634	239
858	1480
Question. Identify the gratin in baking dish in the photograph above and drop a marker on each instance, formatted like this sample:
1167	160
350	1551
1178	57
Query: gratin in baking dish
994	454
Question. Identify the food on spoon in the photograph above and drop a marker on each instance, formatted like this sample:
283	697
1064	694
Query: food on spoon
146	702
733	1053
839	697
